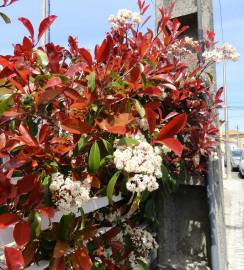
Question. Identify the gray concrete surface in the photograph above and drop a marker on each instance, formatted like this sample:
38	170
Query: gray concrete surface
183	233
234	220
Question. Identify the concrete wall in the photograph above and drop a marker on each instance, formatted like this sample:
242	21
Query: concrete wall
184	237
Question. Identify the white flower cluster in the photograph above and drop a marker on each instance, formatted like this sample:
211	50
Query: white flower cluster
143	241
191	42
68	195
143	160
124	16
133	261
140	182
183	48
224	53
111	217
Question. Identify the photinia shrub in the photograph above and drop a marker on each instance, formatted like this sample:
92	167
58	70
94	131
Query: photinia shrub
76	125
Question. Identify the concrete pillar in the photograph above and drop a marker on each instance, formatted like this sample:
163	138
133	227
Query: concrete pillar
191	231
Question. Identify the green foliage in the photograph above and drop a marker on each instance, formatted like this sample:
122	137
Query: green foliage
94	158
140	109
5	18
128	141
34	220
5	102
111	186
92	81
65	225
42	58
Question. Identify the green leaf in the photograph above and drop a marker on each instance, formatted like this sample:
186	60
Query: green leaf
33	127
111	185
135	205
65	226
106	159
92	81
35	220
82	219
5	18
94	158
142	265
128	141
118	85
108	146
82	142
46	181
165	173
139	107
12	125
42	58
5	102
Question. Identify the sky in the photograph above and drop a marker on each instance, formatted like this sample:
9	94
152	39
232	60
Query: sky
87	20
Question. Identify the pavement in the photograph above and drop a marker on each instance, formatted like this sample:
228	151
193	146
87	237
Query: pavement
234	220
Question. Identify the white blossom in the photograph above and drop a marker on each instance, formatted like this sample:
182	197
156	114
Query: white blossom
212	56
133	261
229	52
141	182
224	53
124	16
143	241
68	195
136	18
142	161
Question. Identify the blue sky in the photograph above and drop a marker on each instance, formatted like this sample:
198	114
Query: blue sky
87	20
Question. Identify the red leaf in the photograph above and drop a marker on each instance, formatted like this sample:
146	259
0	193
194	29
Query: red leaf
26	184
172	144
101	50
73	43
170	115
152	91
58	264
162	77
146	20
8	219
22	233
48	95
86	55
60	249
45	131
29	27
170	86
173	127
75	126
81	260
46	211
219	93
72	70
72	94
151	119
117	124
14	258
52	82
211	35
45	24
2	141
26	137
116	247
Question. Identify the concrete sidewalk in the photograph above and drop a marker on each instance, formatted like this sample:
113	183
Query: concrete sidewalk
234	219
